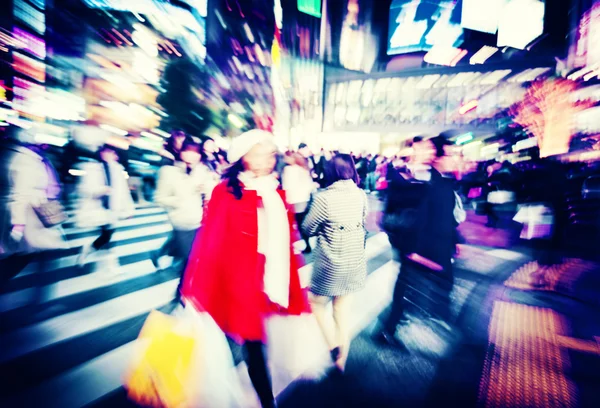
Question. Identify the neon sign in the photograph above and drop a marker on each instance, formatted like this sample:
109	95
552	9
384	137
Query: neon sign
33	44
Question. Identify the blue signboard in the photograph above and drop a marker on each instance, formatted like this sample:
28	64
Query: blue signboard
418	25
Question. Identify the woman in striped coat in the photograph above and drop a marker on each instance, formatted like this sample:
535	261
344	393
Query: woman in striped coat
337	217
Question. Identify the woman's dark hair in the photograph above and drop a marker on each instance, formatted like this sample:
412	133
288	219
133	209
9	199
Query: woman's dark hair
190	144
231	176
170	147
210	163
439	144
341	167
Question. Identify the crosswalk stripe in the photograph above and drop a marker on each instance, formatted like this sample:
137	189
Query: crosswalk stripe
80	284
124	235
120	251
104	374
103	314
130	222
28	339
139	211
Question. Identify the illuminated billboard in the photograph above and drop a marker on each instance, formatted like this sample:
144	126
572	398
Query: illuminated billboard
521	22
310	7
482	15
418	25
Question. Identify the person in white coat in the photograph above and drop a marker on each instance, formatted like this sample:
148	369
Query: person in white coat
28	181
183	189
105	199
298	184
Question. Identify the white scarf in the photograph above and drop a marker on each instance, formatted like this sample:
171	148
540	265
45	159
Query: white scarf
273	237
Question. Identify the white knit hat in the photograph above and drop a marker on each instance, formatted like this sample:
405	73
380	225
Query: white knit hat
242	144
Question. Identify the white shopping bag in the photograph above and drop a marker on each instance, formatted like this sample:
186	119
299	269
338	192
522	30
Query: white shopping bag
537	220
295	348
220	384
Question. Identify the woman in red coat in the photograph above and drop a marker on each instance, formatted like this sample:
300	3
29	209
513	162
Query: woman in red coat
242	267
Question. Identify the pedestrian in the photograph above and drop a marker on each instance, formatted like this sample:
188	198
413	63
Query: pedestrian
337	217
182	189
209	150
370	182
298	185
423	229
105	199
242	268
30	213
174	144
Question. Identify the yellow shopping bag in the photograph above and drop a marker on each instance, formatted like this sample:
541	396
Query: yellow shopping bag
165	366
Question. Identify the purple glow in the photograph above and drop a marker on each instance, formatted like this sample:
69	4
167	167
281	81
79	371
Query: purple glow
33	44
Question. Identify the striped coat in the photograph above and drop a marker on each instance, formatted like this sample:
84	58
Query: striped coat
337	217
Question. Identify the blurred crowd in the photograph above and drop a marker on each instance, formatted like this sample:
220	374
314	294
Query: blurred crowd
265	206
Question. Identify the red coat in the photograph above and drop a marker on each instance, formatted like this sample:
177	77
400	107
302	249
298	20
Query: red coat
224	275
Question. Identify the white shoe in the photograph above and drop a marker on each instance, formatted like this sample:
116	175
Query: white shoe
86	250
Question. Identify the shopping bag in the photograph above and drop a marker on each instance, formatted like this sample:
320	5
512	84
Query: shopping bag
184	361
537	220
163	365
501	197
216	381
295	348
381	184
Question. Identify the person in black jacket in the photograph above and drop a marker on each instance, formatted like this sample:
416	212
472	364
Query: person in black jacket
419	219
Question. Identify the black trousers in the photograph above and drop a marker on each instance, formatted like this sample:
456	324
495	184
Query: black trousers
13	265
413	275
299	220
106	233
259	372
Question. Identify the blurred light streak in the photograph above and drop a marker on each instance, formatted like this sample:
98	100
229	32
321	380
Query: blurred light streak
483	55
249	33
235	121
580	73
495	77
529	75
490	149
76	172
121	36
23	124
525	144
139	163
159	112
467	107
161	132
29	42
152	136
427	81
444	55
237	63
590	75
114	130
147	144
112	37
172	47
117	80
153	157
220	18
116	141
260	55
139	17
249	54
462	139
472	145
43	138
30	67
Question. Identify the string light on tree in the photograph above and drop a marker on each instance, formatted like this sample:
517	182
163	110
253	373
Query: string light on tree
547	111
